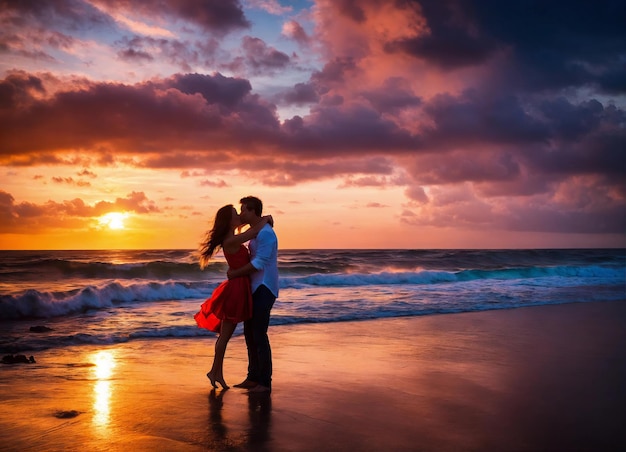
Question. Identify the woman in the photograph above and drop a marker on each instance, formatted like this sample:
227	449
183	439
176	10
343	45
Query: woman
231	302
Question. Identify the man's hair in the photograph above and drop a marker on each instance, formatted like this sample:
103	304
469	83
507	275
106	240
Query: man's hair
253	203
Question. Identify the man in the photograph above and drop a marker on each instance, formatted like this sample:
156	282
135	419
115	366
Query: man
263	271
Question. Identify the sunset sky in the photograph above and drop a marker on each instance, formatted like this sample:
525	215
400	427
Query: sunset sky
359	123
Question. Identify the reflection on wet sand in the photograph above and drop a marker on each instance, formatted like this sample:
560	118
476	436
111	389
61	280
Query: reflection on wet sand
260	413
218	429
256	435
104	364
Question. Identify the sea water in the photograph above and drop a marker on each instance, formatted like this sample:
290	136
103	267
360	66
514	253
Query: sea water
107	297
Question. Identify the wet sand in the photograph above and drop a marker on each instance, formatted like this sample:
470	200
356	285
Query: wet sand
549	378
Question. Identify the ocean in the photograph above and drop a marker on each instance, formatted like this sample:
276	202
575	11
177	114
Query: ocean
108	297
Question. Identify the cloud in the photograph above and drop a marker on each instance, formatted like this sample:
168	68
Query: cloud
182	112
70	181
351	129
136	56
293	30
73	213
393	96
121	17
486	112
451	41
66	14
258	58
300	94
177	121
476	116
222	16
87	173
271	6
550	47
215	184
182	54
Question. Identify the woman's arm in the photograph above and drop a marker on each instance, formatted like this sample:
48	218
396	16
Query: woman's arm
249	234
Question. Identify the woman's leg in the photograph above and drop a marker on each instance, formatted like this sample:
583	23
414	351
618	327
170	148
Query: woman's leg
216	374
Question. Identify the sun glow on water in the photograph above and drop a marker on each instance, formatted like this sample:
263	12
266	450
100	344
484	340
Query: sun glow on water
104	364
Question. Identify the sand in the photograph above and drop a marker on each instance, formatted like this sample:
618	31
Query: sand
547	378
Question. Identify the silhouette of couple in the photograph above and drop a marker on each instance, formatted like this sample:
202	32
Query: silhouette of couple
248	294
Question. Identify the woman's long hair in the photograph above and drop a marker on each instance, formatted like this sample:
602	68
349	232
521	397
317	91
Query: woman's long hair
215	237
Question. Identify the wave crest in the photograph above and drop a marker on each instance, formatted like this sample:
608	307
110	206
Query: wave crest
36	304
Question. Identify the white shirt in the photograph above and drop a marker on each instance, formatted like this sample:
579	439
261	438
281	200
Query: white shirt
264	257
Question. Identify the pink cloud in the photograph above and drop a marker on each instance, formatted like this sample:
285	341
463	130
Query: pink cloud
293	30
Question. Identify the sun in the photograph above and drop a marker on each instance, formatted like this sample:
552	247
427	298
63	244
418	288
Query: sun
114	220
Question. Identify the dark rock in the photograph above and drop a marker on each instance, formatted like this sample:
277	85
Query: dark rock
16	359
66	414
40	329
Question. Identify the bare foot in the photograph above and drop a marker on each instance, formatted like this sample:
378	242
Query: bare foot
246	384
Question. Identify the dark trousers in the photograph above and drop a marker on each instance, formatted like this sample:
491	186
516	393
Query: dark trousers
255	332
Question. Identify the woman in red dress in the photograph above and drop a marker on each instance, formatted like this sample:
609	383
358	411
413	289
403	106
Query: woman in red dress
231	301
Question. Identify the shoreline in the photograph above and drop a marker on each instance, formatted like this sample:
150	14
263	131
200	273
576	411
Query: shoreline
544	377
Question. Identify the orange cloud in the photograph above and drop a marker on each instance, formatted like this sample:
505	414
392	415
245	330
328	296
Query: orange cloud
74	213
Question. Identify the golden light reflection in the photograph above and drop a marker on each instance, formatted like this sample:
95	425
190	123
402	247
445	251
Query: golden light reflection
104	364
102	395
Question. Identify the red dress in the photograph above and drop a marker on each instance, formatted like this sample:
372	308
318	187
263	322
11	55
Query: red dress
231	300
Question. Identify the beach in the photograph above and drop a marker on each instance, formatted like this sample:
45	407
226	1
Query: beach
534	378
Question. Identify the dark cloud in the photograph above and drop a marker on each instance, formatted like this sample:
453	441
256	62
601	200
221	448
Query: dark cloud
392	96
570	122
136	56
262	58
334	72
28	26
352	129
211	15
220	15
18	90
300	94
473	116
351	9
466	166
70	14
183	112
453	39
215	89
587	138
183	54
256	58
559	46
551	46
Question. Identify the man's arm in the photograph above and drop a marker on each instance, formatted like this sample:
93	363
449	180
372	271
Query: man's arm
261	259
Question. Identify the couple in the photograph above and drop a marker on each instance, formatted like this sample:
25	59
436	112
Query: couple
249	293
